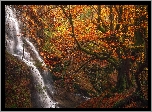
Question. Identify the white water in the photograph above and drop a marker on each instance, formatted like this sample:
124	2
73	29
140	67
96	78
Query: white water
14	45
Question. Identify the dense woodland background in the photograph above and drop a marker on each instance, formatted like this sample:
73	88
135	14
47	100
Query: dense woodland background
100	51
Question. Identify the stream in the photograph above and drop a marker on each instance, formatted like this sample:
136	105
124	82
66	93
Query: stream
42	81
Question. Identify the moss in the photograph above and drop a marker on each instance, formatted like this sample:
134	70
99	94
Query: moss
17	83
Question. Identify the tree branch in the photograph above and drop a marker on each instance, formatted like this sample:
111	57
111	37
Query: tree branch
94	8
111	18
119	16
71	23
110	60
140	69
99	14
116	10
83	65
48	10
103	56
64	11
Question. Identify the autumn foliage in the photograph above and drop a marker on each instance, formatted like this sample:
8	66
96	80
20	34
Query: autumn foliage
92	48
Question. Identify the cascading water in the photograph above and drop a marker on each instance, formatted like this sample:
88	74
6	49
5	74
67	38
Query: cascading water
43	95
14	45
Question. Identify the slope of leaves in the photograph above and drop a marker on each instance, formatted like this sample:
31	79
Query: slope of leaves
109	100
17	83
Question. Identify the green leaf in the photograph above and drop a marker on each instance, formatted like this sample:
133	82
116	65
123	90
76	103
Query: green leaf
82	17
100	28
47	32
88	14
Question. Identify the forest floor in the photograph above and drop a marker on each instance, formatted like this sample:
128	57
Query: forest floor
126	99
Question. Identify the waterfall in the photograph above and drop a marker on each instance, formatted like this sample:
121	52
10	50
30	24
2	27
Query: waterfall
14	45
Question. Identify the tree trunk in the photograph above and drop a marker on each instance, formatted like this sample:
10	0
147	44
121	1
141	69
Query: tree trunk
111	18
120	78
127	67
123	79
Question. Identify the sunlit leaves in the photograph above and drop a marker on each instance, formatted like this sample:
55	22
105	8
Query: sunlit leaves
57	41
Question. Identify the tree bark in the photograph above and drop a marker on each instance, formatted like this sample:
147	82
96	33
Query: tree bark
123	79
120	77
111	18
119	16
